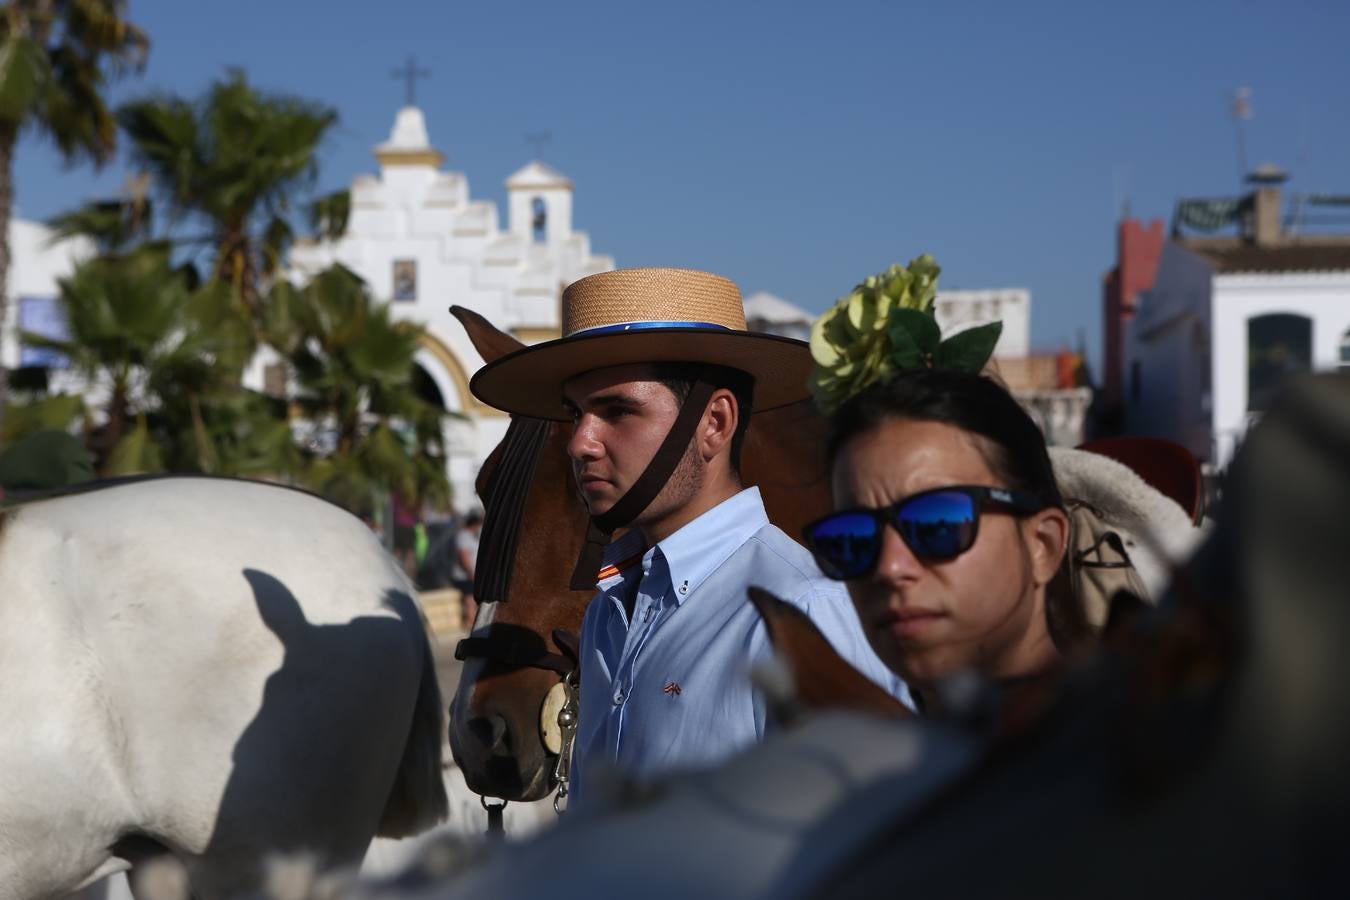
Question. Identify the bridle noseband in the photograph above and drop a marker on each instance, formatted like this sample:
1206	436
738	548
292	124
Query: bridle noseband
514	654
511	653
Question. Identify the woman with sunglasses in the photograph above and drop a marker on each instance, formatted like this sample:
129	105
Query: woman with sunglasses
949	528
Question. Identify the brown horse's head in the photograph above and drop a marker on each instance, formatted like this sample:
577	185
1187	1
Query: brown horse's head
534	527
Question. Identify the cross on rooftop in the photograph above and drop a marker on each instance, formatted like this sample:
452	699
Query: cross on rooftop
410	73
539	139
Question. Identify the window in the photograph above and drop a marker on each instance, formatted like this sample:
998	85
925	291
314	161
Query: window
1345	351
1278	345
405	279
539	219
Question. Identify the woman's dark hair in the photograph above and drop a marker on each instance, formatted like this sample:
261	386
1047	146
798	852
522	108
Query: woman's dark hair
1014	448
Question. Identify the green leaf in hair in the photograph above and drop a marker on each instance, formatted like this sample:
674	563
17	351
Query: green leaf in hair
914	338
969	350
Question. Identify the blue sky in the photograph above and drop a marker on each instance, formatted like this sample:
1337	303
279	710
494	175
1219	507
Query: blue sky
798	149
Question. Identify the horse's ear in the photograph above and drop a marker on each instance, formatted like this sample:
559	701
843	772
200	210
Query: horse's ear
824	679
491	342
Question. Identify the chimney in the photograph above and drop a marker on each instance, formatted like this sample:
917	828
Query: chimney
1265	227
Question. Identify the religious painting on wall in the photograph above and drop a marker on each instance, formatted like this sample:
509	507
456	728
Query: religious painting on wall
405	279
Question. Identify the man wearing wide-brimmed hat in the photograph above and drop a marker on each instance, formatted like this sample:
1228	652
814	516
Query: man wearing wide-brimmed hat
659	375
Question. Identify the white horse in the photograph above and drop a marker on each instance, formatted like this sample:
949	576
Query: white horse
220	670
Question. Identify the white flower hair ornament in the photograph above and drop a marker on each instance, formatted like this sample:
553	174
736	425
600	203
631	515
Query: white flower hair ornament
885	326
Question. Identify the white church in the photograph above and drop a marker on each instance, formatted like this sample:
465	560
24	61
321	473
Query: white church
422	243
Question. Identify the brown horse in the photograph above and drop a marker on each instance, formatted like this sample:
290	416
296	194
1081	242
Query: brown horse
534	526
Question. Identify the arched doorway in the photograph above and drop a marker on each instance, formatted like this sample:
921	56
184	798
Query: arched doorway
472	429
426	388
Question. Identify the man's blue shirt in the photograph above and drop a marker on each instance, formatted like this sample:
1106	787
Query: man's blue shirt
671	689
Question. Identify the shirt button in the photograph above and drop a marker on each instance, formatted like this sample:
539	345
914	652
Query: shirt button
618	697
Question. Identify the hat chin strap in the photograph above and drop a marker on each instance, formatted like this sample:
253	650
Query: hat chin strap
638	497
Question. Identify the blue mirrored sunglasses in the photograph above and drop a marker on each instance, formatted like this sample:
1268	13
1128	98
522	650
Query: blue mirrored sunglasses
936	525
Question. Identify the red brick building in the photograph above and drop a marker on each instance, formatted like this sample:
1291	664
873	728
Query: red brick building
1138	250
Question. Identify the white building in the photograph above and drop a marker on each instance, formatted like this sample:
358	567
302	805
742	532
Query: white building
774	315
1227	319
956	311
959	310
423	243
36	265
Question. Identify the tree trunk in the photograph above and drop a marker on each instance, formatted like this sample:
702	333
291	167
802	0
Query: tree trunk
118	414
8	138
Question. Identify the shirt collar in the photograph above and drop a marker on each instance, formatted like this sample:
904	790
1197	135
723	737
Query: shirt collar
619	557
696	550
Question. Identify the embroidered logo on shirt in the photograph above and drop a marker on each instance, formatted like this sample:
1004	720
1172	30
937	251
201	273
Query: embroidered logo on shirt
673	689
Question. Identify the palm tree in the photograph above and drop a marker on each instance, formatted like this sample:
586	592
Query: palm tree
55	58
232	164
159	353
361	418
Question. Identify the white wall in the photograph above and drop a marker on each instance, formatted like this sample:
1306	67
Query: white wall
35	265
1323	297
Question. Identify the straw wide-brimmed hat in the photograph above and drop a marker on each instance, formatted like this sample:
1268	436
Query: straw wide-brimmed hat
644	316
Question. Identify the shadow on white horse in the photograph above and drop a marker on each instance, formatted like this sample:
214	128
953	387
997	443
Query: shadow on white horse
219	670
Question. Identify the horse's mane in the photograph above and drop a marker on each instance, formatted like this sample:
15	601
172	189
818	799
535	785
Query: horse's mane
504	507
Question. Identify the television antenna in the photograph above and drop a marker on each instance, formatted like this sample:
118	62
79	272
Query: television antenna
1242	111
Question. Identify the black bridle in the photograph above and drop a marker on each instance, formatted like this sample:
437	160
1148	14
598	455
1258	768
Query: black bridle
516	654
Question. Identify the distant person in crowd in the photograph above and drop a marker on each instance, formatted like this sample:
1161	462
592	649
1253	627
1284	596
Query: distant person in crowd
657	372
466	563
405	534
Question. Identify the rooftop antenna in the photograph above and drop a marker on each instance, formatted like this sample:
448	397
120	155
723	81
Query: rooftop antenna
1120	179
1242	111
